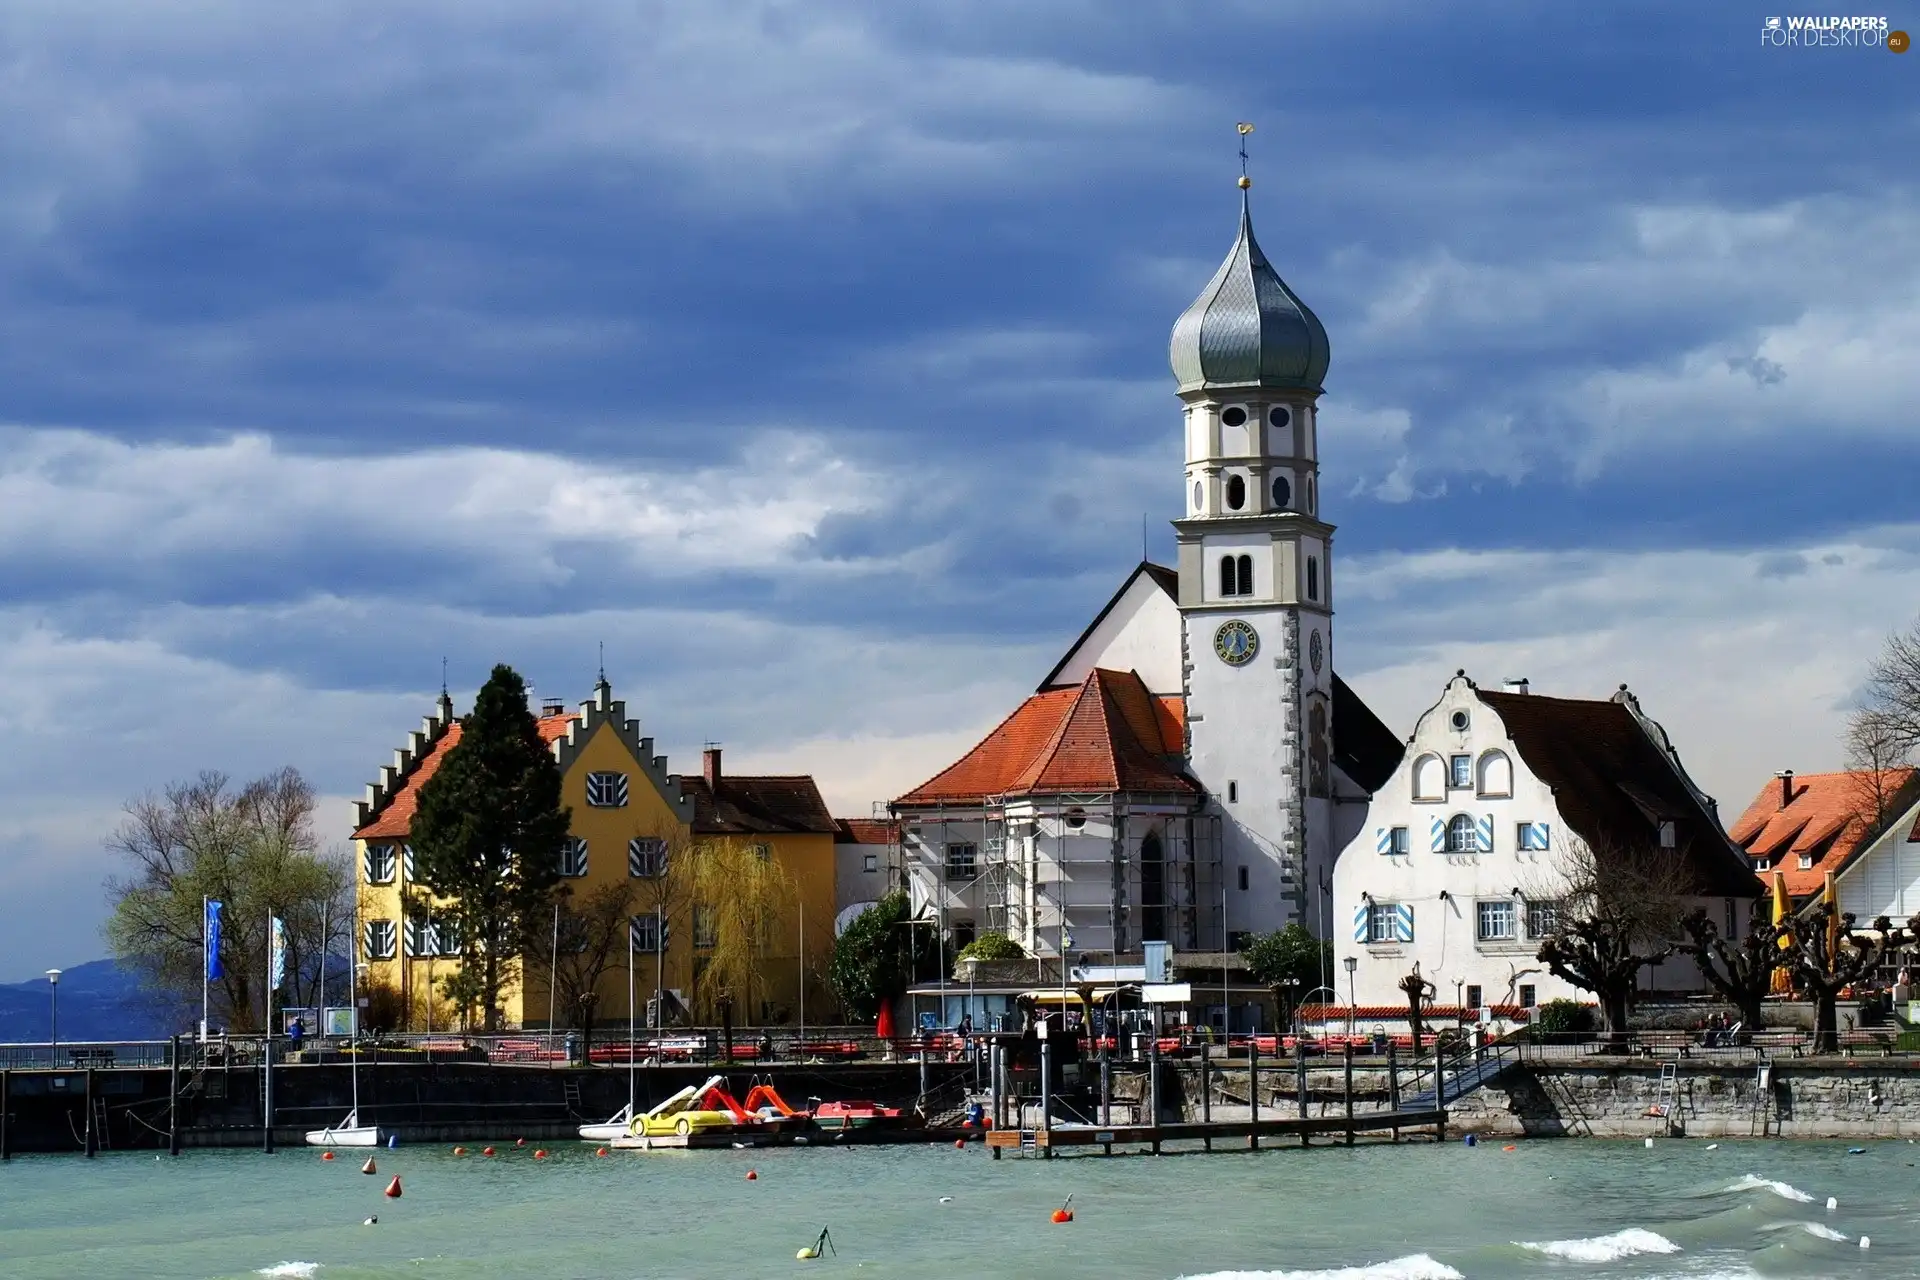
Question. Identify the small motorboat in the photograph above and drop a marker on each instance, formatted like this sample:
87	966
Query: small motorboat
348	1133
617	1126
857	1114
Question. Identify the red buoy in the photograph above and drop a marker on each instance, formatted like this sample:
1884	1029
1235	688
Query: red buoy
326	1155
753	1175
540	1155
959	1144
519	1142
459	1151
487	1151
393	1188
601	1151
1063	1215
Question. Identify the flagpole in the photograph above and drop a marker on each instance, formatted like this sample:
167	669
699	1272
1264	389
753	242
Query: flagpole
553	974
266	1050
205	965
802	1054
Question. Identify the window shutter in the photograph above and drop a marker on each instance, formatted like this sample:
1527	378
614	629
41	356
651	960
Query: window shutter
1360	914
1403	922
1439	835
1383	839
366	863
366	939
406	861
1483	832
410	937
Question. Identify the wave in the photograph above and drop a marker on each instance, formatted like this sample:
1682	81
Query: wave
1824	1231
1416	1266
1751	1183
1621	1244
290	1270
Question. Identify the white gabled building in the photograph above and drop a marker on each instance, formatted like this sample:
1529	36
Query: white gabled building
1467	845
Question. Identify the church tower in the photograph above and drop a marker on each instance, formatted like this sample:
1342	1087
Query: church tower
1256	585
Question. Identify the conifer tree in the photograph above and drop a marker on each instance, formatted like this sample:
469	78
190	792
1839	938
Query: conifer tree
487	836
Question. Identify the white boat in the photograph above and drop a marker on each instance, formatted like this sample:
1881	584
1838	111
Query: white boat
615	1127
348	1133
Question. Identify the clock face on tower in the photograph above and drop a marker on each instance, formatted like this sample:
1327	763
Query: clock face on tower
1315	653
1236	642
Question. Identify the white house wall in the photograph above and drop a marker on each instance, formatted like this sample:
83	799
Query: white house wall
1141	633
1884	881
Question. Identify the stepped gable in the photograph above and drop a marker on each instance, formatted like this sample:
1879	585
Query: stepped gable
1820	816
604	709
1614	784
767	804
387	812
1106	734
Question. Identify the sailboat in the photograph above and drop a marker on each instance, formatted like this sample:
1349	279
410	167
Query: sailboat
349	1132
617	1125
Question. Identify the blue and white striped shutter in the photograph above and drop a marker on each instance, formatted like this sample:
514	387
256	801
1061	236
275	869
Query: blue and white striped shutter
1439	835
1539	832
1403	922
1383	839
1360	923
1483	832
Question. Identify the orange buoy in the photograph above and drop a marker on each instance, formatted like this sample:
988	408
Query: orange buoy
540	1155
600	1151
1063	1215
1508	1147
967	1123
326	1155
753	1175
486	1151
959	1144
459	1151
393	1188
368	1166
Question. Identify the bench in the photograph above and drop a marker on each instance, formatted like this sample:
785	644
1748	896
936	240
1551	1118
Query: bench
1793	1042
90	1057
1881	1040
1679	1043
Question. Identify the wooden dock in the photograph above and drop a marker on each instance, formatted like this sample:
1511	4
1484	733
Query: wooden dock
1341	1127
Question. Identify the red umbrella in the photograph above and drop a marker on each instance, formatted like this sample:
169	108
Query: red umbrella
884	1027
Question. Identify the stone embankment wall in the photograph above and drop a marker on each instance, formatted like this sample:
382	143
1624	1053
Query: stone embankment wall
1796	1098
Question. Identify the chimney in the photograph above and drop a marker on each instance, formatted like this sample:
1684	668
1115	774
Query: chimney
1515	684
1786	787
710	766
552	707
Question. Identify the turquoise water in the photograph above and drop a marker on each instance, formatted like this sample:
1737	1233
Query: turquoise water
1596	1209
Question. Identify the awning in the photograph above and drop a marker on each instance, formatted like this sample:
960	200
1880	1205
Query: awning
1070	996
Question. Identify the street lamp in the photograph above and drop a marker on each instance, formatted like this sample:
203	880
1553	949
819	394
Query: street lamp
1459	1012
53	1014
1352	963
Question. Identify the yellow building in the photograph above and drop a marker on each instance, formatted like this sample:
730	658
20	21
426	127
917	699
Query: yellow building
629	819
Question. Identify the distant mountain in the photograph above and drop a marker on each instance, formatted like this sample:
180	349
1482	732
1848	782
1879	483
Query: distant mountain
98	1001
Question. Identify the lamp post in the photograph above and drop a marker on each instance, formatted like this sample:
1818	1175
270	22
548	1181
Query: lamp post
1459	1013
1352	963
53	1014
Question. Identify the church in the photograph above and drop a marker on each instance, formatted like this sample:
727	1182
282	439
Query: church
1191	767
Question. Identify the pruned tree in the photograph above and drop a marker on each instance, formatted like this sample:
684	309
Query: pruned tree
1420	993
738	893
487	836
253	850
1617	910
1741	970
1828	954
592	942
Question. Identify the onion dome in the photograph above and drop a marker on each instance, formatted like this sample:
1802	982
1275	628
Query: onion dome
1247	329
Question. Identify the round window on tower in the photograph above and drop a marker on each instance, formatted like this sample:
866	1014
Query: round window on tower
1233	416
1236	492
1198	495
1282	493
1278	416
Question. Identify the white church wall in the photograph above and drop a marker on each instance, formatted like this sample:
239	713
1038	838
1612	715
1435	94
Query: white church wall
1141	633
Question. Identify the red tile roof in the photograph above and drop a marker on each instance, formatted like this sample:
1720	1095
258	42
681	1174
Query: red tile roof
1824	819
746	805
395	818
1107	734
866	831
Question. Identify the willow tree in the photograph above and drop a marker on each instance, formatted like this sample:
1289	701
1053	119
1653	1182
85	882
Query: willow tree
737	894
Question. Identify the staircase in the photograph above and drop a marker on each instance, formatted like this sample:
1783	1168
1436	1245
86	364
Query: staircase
1463	1073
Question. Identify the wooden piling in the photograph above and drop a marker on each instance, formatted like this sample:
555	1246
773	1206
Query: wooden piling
1349	1092
173	1097
1153	1082
92	1138
6	1105
1046	1090
1253	1094
1206	1092
1300	1085
1393	1084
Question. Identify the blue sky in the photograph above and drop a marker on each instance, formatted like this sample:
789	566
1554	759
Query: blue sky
812	357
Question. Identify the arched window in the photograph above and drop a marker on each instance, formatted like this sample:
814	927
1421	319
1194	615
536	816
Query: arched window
1153	889
1429	778
1460	834
1313	577
1495	774
1312	506
1229	583
1282	493
1245	564
1236	492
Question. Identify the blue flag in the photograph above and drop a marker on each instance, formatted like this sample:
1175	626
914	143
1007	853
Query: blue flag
277	967
214	971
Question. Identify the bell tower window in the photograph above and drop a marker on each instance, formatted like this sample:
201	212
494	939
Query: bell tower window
1313	577
1199	495
1233	416
1278	416
1236	492
1236	575
1282	493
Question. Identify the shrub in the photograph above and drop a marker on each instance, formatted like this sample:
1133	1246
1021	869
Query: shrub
992	946
1563	1019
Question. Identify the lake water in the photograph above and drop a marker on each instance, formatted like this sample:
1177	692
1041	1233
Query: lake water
1552	1210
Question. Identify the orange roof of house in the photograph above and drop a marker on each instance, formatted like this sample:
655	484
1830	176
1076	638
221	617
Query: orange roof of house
395	819
1106	734
866	831
1824	820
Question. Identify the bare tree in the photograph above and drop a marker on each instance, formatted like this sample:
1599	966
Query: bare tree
593	939
663	889
1829	954
1892	695
1877	751
1742	970
254	851
1618	910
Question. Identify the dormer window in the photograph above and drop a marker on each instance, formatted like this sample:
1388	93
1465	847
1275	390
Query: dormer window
1806	862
